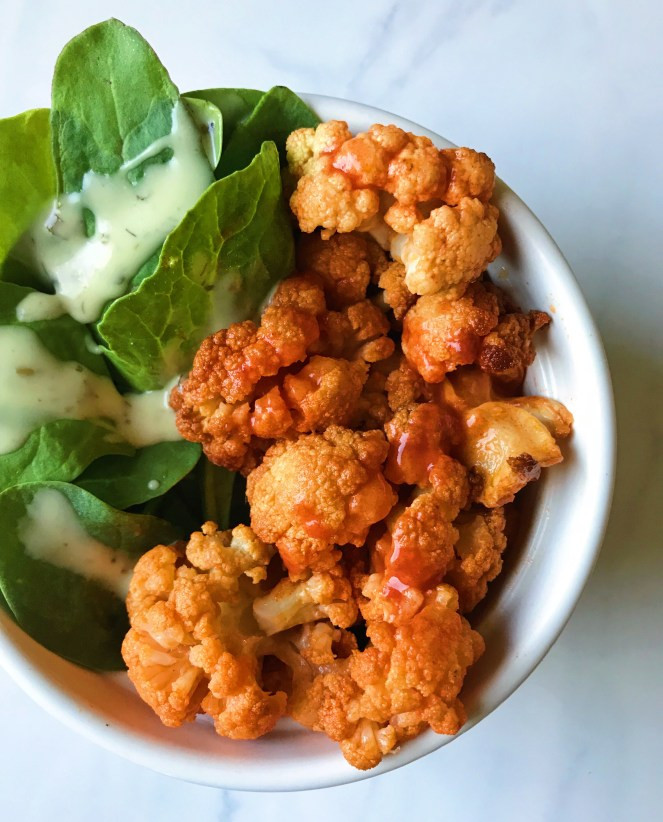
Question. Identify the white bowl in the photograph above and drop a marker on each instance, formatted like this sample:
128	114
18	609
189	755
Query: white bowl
545	569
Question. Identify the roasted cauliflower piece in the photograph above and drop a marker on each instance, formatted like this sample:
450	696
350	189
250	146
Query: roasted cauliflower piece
507	351
324	595
358	332
318	492
396	294
345	264
478	555
441	334
193	645
428	207
407	679
506	447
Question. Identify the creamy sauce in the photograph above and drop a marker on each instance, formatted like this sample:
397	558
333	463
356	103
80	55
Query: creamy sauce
38	388
37	306
130	219
51	532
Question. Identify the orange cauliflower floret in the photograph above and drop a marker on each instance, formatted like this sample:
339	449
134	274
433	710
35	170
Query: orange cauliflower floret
506	446
478	555
450	248
317	492
428	207
345	264
417	547
193	645
507	351
404	385
408	678
395	293
357	332
324	595
440	334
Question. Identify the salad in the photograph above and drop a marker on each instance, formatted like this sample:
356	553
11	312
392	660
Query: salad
261	415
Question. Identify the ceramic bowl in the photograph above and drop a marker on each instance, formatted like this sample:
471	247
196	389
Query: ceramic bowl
545	569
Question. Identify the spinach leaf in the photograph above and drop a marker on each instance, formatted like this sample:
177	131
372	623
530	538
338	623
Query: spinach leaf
249	123
222	260
60	450
27	181
235	104
73	615
111	99
209	122
124	481
217	493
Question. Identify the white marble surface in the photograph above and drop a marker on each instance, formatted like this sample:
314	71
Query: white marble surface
565	96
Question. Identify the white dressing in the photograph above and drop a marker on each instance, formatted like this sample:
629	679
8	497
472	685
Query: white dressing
38	306
51	532
38	388
130	221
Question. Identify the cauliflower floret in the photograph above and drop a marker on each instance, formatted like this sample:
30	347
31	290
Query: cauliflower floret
429	207
408	678
317	492
507	351
396	294
372	409
404	385
440	334
193	645
449	249
213	404
478	555
324	595
357	332
324	392
418	546
555	416
419	435
506	447
345	264
471	174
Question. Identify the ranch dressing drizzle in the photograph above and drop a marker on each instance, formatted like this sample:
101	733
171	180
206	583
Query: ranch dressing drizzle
38	388
51	532
127	222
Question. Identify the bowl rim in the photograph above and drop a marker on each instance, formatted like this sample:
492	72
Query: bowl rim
132	745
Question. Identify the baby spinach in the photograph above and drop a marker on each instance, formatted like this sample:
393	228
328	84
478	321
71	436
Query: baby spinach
250	118
59	449
111	99
74	616
222	260
27	181
125	481
209	120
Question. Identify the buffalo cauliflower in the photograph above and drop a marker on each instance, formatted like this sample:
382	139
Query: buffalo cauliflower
193	645
507	351
441	334
428	207
318	492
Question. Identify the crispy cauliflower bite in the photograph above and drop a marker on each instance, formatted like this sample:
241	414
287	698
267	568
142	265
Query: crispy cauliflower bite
440	334
408	678
507	351
319	491
478	555
193	645
433	212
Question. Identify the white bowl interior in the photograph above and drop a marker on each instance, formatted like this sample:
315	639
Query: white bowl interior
526	609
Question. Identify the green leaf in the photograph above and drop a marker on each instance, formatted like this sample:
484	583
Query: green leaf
111	99
74	616
235	104
222	260
27	181
272	117
152	471
209	121
217	493
59	450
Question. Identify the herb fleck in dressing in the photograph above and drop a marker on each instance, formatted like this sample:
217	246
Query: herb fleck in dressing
52	533
91	242
39	388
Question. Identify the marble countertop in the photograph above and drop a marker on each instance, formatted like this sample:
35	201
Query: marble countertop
565	97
